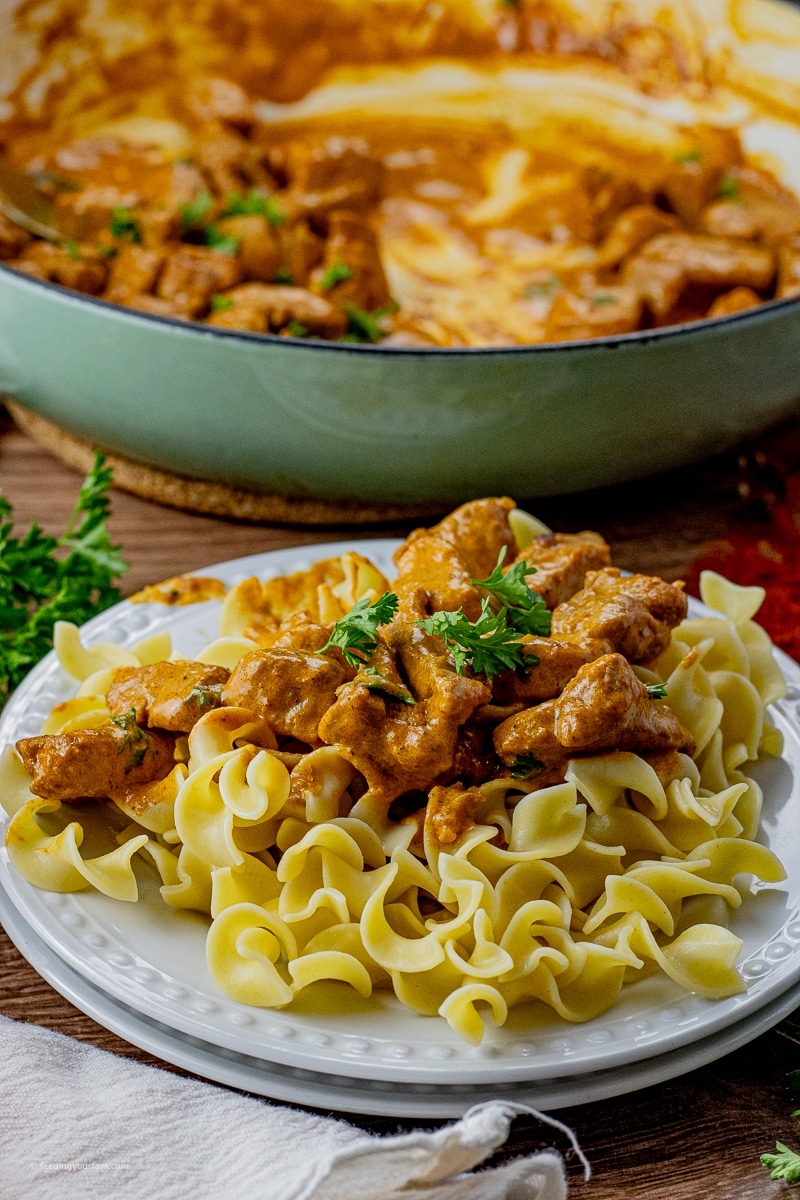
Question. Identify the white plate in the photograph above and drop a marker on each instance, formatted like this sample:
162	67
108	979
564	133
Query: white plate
152	958
366	1096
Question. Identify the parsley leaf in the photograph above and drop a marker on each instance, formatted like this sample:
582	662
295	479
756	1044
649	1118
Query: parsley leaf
689	156
136	740
254	203
45	579
338	272
525	766
728	188
220	303
542	291
490	645
283	276
73	250
295	329
524	610
122	225
656	691
355	633
372	678
783	1165
365	326
192	214
223	243
602	299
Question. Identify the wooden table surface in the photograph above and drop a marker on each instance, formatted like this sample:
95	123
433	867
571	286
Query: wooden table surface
699	1136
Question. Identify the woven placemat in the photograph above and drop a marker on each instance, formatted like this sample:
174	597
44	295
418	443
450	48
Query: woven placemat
203	496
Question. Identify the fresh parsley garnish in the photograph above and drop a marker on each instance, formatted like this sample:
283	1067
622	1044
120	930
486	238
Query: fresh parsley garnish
283	276
254	203
783	1165
689	156
136	739
728	188
338	272
73	250
656	691
220	303
489	645
365	326
106	251
123	225
295	329
192	214
205	697
356	633
602	299
372	679
542	291
45	579
524	610
525	766
223	243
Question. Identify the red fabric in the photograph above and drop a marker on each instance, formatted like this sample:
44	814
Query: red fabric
770	557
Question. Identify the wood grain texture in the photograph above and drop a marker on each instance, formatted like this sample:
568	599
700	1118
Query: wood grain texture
695	1138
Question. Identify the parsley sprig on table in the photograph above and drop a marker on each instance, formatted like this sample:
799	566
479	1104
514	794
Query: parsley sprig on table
783	1165
45	579
356	633
489	645
524	609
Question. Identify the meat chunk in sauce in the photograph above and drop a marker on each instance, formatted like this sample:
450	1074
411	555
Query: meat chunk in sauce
334	174
600	312
561	561
737	300
351	253
262	308
789	270
167	695
93	763
401	747
291	689
558	663
450	811
633	615
78	267
479	531
259	245
757	209
193	274
605	707
670	262
133	272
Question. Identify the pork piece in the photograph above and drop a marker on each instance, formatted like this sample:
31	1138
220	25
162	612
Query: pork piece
561	561
400	747
92	763
12	239
152	304
737	300
631	230
260	250
352	244
300	632
162	223
757	209
559	662
277	307
432	576
167	695
479	530
81	268
230	161
692	184
217	99
450	811
670	262
475	760
610	195
302	251
133	272
605	707
789	270
603	312
334	174
291	689
633	615
193	274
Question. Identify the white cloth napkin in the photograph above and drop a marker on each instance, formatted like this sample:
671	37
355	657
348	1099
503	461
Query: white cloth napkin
78	1123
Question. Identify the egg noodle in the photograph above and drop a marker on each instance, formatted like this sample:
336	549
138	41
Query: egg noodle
560	894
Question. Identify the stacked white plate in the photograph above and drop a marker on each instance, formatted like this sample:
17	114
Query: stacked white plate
139	969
